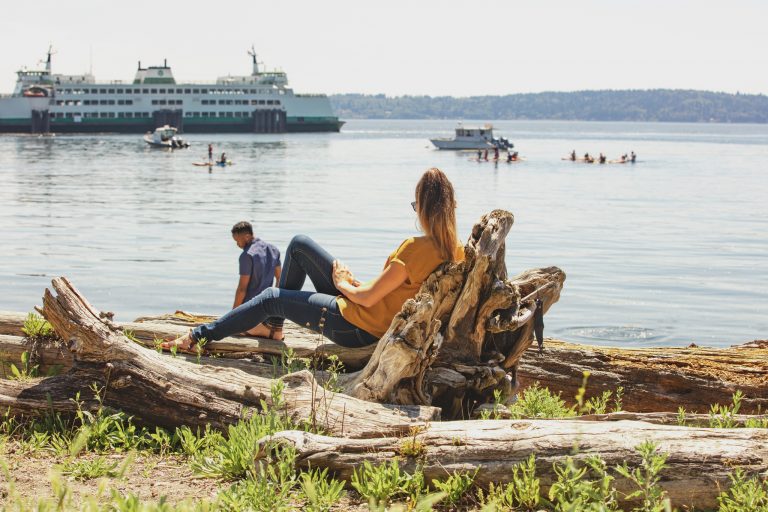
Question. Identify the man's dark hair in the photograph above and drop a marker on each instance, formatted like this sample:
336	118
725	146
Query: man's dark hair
242	227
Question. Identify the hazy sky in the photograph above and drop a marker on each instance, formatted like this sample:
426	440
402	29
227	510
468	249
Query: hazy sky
445	47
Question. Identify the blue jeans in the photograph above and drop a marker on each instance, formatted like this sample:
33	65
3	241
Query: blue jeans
316	310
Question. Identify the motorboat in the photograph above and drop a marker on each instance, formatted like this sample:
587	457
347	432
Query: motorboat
165	137
473	138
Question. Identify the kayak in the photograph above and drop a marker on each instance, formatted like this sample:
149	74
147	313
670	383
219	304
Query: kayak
211	164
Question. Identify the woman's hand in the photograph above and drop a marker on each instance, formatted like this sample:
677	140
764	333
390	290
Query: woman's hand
342	274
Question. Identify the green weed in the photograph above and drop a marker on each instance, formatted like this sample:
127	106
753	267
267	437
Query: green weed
574	491
380	484
456	486
523	492
745	494
722	416
319	491
538	402
646	478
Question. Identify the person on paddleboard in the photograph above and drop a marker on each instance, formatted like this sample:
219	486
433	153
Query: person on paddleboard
210	152
223	159
632	157
573	155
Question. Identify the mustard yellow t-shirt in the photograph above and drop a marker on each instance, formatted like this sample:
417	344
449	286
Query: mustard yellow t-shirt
420	258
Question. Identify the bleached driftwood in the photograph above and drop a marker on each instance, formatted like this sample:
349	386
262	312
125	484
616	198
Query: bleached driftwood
698	465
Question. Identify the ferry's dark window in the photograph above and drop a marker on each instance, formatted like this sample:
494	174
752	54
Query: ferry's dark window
154	102
102	102
111	102
129	114
111	114
262	102
103	91
230	114
277	102
111	91
221	102
129	102
187	91
179	91
102	114
161	91
238	114
195	91
69	115
161	102
153	91
254	102
121	102
145	91
118	91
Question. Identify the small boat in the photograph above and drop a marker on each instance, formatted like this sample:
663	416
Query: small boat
165	137
473	138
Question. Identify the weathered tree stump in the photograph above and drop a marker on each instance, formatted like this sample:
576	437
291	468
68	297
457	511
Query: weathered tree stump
461	338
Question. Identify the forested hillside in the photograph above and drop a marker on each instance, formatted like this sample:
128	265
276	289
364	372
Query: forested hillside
627	105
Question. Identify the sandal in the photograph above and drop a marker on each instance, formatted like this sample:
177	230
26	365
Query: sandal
180	345
273	330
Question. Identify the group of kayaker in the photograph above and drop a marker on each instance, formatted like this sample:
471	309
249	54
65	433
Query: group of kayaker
589	159
512	156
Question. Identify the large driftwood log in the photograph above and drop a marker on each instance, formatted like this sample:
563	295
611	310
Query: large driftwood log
655	379
171	392
699	462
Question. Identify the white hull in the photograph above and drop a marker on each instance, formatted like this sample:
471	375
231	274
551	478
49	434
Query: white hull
460	144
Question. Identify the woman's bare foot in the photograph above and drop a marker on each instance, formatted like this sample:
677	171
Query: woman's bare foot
263	331
183	343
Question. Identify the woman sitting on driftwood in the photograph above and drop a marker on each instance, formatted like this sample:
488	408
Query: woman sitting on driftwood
342	309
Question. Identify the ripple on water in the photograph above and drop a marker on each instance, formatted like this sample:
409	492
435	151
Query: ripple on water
612	333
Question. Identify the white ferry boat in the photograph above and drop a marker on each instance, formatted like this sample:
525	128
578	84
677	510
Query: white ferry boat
260	102
472	138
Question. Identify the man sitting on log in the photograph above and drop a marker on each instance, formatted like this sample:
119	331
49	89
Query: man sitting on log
259	263
346	311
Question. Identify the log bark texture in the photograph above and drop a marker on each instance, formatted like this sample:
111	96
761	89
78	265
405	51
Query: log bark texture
699	461
654	379
171	392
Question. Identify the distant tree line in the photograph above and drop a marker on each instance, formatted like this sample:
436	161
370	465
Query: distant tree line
627	105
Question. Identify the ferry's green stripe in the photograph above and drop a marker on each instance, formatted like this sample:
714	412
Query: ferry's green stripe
307	120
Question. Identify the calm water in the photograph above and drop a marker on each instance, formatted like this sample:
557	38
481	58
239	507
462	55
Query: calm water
665	252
